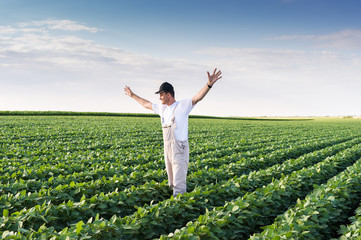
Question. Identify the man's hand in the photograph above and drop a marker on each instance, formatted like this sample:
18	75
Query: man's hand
128	91
203	92
145	103
214	77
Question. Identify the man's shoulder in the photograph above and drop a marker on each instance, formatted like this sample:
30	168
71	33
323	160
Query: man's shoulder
185	101
158	108
185	105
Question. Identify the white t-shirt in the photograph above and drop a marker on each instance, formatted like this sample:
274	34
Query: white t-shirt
184	107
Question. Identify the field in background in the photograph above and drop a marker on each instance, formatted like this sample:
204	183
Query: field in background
103	177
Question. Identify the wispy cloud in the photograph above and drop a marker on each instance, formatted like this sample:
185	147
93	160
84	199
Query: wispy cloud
62	70
32	44
32	53
9	30
295	82
266	60
282	73
45	69
345	39
65	25
45	26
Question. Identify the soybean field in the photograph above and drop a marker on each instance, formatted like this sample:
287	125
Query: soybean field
103	177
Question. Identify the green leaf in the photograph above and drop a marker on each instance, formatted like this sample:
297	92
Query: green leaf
113	219
5	213
235	208
191	229
331	198
102	224
79	226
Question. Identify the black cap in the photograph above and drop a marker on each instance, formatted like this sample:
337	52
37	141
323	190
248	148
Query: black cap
165	87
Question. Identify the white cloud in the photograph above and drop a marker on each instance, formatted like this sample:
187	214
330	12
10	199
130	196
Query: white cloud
65	25
44	27
28	48
8	30
288	82
42	70
345	39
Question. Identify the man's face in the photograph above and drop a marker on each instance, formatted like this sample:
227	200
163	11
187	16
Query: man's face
164	97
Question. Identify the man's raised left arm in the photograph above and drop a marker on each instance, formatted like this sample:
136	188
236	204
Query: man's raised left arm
211	80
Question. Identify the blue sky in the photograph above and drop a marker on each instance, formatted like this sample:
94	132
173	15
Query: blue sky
278	57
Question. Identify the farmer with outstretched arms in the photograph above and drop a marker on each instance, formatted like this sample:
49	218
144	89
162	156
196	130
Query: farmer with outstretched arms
174	118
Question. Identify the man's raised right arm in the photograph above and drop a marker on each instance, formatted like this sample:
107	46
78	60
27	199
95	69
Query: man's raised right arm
145	103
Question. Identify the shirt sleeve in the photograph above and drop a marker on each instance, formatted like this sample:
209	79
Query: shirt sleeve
187	105
156	108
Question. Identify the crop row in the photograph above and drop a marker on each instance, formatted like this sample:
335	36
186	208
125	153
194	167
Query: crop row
40	137
59	162
353	230
174	213
73	161
88	177
108	166
320	214
240	218
115	177
107	170
134	174
150	190
171	208
69	136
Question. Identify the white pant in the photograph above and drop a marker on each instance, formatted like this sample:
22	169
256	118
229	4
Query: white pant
176	155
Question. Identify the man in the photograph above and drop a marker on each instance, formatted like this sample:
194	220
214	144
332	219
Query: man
174	116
